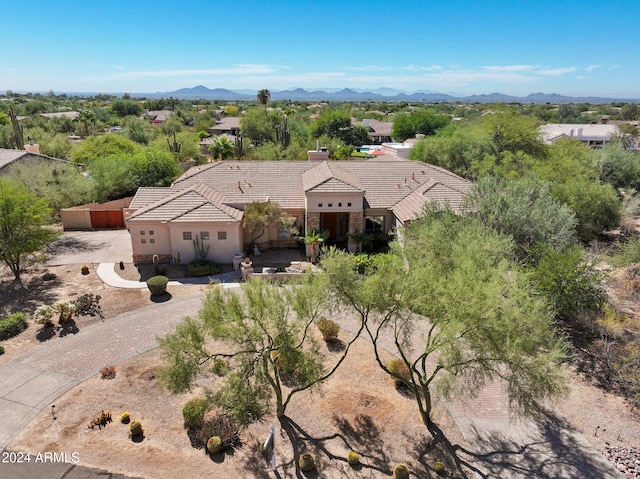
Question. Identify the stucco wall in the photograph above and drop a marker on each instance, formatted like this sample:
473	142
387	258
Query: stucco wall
220	250
157	243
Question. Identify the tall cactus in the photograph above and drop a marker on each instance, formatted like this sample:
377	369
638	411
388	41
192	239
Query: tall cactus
238	146
283	135
174	147
18	133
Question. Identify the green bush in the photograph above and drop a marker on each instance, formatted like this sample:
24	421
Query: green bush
399	368
201	268
329	329
628	253
193	412
157	285
48	277
353	458
221	426
12	325
307	463
1	350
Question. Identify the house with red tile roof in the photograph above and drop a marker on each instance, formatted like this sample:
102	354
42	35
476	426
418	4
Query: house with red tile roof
342	197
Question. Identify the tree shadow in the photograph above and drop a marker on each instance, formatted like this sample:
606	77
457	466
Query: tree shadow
68	245
46	332
161	298
362	434
550	449
336	345
68	327
18	296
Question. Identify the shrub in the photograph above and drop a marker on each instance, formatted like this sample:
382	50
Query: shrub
307	463
12	325
201	268
222	426
43	315
157	285
88	305
214	445
84	269
193	412
65	309
48	277
400	471
108	372
125	418
438	468
1	350
399	368
353	458
135	428
329	329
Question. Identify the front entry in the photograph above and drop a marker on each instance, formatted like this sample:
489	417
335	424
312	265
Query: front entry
338	226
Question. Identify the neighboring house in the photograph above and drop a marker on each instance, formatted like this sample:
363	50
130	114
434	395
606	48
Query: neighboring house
229	125
8	158
157	117
379	131
205	143
592	135
62	114
207	202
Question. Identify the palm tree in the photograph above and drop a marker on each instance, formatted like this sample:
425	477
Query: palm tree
312	238
361	239
263	97
222	148
86	116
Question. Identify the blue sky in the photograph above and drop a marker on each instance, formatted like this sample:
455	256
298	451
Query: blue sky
465	47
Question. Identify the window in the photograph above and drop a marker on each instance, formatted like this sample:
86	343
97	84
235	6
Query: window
222	235
141	233
152	240
186	235
329	205
374	224
204	235
143	240
339	205
150	232
349	204
319	205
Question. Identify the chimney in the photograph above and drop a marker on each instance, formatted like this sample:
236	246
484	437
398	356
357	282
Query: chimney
580	131
319	154
32	148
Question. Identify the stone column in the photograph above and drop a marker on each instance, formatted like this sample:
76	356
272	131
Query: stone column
356	225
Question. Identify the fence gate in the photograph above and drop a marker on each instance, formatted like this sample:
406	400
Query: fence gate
110	219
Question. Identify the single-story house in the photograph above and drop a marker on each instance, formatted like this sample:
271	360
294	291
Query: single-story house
157	117
207	202
229	125
29	155
592	135
379	131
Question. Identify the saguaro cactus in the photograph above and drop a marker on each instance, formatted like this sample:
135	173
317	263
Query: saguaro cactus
283	135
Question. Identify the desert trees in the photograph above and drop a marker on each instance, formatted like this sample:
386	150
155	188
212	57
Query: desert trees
263	336
23	225
459	311
259	216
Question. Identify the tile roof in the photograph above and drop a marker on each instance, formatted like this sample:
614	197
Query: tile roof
384	183
412	205
196	203
328	177
9	156
583	132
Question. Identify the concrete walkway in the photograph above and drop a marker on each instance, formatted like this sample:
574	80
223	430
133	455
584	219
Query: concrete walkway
501	447
107	273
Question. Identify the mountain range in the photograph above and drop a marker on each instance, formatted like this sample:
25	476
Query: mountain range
380	94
